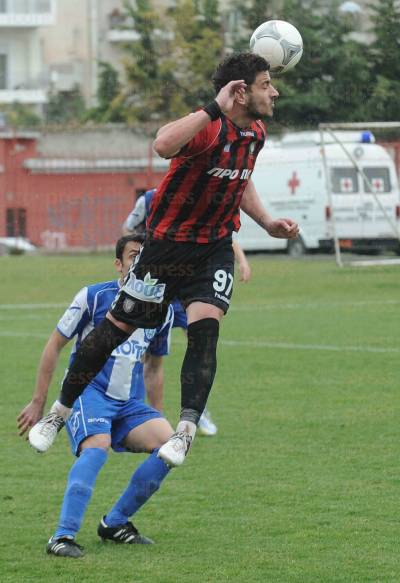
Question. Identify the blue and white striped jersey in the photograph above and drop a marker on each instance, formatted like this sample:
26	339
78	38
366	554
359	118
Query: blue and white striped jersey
120	375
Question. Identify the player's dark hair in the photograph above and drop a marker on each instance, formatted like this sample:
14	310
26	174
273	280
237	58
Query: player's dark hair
121	243
244	66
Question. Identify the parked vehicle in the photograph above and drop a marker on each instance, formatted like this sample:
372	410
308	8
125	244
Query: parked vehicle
290	178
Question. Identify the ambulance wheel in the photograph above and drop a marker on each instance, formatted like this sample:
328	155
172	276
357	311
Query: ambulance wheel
296	247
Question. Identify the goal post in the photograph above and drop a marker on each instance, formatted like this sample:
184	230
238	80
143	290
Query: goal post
330	128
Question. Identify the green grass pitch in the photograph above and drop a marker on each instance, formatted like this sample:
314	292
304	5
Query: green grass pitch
302	482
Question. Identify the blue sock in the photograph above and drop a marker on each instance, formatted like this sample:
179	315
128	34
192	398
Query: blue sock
144	482
78	492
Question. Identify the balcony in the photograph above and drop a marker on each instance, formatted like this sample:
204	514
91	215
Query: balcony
27	13
119	35
121	29
26	96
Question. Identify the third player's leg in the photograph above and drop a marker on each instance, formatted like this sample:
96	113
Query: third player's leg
149	435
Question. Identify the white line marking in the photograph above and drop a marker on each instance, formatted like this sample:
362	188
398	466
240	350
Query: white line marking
24	335
24	317
253	343
31	306
289	346
373	262
313	305
244	308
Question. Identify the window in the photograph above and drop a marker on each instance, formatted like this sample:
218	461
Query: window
344	180
3	71
3	6
16	222
43	6
379	178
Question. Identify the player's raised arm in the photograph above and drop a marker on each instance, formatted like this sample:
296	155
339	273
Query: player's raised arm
252	206
174	135
135	217
47	365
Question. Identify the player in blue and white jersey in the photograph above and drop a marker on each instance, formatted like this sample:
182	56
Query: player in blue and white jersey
136	220
109	413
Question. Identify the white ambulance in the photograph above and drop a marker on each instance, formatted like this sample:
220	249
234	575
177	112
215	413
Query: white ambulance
290	179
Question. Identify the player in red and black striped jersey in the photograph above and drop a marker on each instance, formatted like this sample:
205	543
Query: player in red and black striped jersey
199	198
188	252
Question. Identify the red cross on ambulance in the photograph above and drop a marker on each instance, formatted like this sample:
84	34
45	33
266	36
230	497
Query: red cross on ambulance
377	184
293	183
346	185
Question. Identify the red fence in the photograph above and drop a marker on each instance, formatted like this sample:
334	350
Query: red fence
61	203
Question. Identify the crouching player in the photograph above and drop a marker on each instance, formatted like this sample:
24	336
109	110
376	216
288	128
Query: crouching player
109	413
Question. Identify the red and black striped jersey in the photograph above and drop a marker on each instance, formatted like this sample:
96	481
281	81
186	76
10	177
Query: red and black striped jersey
198	199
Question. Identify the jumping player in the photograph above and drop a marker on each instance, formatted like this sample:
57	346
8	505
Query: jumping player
188	249
136	222
110	412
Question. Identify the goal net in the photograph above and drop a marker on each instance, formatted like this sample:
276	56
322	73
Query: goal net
364	196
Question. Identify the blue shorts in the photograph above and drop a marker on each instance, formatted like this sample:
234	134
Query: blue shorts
94	413
180	318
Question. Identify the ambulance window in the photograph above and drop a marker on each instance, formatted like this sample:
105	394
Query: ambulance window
379	178
344	180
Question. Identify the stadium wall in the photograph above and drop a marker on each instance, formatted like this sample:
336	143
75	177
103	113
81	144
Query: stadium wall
68	202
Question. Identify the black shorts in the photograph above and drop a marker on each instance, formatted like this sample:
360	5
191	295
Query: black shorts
166	270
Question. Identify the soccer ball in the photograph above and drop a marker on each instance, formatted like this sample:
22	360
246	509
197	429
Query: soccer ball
280	44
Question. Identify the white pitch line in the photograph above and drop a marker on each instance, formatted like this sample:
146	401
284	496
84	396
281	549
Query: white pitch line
24	335
374	263
313	305
24	317
289	346
244	308
250	343
31	306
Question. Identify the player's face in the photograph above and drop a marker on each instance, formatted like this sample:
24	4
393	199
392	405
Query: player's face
261	97
132	249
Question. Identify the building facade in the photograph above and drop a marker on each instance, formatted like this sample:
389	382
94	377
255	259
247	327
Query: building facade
58	44
72	190
22	67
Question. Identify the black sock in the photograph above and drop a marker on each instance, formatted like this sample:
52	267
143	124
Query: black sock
90	358
199	367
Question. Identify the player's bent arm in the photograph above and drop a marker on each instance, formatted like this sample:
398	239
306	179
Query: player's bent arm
135	217
154	380
173	136
47	364
253	207
244	267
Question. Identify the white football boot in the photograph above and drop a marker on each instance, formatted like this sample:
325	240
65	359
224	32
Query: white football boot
206	426
174	451
44	432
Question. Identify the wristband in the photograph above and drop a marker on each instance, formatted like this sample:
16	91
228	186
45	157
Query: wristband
213	110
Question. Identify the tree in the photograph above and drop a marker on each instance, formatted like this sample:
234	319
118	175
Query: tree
386	47
65	106
244	18
197	48
20	116
108	108
332	80
145	93
257	12
384	104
